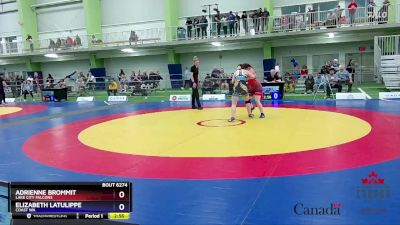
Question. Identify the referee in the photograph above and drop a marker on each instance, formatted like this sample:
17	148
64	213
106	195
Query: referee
194	77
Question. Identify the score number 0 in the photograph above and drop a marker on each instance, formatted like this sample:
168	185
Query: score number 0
121	206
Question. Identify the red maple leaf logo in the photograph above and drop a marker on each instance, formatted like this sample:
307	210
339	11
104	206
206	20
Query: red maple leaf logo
373	179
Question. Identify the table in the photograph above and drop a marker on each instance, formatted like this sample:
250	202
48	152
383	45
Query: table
274	86
54	94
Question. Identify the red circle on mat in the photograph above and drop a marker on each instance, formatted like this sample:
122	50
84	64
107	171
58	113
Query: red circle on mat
68	153
26	110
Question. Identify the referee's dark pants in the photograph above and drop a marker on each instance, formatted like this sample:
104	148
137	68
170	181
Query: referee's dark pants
195	97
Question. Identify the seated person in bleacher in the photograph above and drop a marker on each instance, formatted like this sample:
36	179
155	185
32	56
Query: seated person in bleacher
91	81
319	81
335	65
325	68
345	77
123	83
309	82
27	88
289	82
208	85
112	87
62	84
81	85
274	77
334	82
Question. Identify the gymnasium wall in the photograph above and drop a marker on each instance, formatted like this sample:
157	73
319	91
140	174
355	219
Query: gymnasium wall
61	69
226	59
12	68
61	21
143	63
9	24
306	53
126	15
281	3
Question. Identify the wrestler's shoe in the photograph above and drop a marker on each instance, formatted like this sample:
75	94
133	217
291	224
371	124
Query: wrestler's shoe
262	116
251	115
231	119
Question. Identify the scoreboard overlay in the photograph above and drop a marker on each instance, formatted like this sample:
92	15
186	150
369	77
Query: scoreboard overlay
95	200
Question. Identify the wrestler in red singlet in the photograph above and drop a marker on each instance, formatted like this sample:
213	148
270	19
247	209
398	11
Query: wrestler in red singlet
255	87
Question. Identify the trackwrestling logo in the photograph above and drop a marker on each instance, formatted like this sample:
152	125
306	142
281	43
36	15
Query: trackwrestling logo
332	210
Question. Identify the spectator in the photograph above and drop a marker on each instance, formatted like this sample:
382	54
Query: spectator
245	22
81	85
224	85
123	83
289	82
237	23
334	82
95	40
91	81
78	41
338	15
284	23
231	21
351	68
29	39
309	82
304	71
325	68
383	13
256	20
224	22
69	42
204	25
331	19
274	77
3	85
58	43
208	85
62	84
370	9
352	11
265	20
36	82
319	81
112	87
27	88
196	26
187	78
49	79
52	45
335	64
217	19
189	25
345	77
121	73
133	37
311	16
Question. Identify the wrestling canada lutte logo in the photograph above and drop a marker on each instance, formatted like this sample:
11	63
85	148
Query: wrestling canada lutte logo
373	189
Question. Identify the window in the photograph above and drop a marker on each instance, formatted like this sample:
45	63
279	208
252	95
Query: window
287	10
9	44
319	60
328	6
